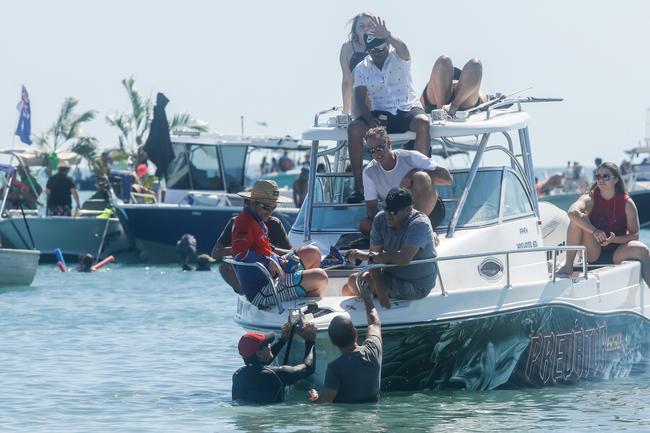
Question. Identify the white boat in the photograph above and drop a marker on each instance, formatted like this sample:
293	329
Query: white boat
76	235
18	267
498	315
202	185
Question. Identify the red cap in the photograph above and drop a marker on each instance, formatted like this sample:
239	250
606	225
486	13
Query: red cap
251	342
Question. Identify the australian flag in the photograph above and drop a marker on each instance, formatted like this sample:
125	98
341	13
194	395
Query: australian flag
24	127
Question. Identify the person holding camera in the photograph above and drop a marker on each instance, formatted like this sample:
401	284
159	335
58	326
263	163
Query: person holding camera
355	376
260	383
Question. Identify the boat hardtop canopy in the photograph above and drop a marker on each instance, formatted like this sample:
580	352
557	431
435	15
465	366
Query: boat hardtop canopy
264	142
39	157
499	120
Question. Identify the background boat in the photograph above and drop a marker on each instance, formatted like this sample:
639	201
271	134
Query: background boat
18	267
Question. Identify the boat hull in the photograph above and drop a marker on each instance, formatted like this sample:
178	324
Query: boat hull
155	229
18	267
74	236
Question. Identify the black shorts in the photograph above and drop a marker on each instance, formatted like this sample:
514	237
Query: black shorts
397	123
606	256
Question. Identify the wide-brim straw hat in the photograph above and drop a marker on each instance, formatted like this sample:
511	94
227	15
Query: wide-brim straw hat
265	191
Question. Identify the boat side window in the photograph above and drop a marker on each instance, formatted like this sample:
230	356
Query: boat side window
205	169
482	205
178	174
515	199
234	162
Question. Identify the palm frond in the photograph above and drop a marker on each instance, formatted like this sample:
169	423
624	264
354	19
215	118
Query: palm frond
74	127
185	122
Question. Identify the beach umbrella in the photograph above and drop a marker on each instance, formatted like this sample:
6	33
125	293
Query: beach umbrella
159	145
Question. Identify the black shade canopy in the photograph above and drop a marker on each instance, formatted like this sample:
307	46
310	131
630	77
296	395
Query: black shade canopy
159	145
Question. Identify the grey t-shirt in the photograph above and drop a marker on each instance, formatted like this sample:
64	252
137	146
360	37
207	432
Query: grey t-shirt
415	230
356	375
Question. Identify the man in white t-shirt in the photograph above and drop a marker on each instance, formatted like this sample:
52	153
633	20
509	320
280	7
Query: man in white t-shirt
390	168
383	79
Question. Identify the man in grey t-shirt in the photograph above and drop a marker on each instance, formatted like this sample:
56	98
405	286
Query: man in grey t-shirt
399	235
355	376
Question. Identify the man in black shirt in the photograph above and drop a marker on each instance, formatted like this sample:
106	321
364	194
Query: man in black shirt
59	189
260	383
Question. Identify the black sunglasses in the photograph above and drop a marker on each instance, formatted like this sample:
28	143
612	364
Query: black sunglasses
266	206
604	177
376	149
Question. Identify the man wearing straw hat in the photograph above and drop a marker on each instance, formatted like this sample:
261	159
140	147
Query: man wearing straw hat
297	272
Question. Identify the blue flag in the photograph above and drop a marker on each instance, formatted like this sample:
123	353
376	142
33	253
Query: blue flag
24	127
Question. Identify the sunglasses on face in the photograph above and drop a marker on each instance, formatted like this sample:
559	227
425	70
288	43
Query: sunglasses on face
604	177
376	149
266	207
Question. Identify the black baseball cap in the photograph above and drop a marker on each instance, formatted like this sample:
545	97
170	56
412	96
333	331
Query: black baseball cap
397	199
374	43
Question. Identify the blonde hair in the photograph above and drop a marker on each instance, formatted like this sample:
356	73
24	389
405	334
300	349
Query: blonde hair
352	37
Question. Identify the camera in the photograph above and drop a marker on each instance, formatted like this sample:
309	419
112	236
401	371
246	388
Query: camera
296	319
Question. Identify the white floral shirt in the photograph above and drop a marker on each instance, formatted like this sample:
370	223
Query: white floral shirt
390	88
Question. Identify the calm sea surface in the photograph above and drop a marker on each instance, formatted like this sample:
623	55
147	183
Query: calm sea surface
144	349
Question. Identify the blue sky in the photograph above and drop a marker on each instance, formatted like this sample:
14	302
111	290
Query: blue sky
278	61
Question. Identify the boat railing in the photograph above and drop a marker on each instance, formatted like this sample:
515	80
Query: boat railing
553	250
264	271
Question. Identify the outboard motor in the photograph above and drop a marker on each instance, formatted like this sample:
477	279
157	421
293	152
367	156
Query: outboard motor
555	223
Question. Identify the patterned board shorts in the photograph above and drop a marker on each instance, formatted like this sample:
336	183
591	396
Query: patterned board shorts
288	289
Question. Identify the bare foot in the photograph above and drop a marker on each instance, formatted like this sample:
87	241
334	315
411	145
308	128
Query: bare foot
565	270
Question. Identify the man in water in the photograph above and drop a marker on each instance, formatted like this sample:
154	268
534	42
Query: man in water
354	377
260	383
59	189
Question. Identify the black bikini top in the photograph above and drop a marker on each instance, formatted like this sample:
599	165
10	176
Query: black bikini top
357	57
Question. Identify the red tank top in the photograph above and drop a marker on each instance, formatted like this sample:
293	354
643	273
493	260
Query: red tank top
609	215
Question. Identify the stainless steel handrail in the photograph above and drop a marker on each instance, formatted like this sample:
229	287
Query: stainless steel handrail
266	273
507	253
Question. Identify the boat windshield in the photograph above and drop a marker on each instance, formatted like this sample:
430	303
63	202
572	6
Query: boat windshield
484	204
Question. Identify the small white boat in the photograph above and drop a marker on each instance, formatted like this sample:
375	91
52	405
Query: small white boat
18	267
498	316
30	228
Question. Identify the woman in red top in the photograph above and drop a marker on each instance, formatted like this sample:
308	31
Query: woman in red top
606	222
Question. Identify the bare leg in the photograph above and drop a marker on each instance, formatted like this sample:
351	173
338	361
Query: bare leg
350	287
309	256
228	274
314	281
424	193
439	87
379	288
577	236
635	250
420	125
466	93
356	131
365	226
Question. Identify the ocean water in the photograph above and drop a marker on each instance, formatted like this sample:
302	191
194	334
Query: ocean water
151	349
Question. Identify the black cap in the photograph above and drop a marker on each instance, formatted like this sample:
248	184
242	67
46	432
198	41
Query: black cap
397	199
373	42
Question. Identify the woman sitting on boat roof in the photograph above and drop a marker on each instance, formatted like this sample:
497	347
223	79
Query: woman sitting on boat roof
453	89
606	222
298	276
352	53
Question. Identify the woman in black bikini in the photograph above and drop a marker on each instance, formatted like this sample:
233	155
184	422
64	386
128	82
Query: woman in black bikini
453	89
352	53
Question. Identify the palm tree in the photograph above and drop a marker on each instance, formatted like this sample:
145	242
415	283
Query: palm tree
66	133
134	126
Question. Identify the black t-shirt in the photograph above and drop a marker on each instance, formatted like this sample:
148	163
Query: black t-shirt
261	384
277	234
60	186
